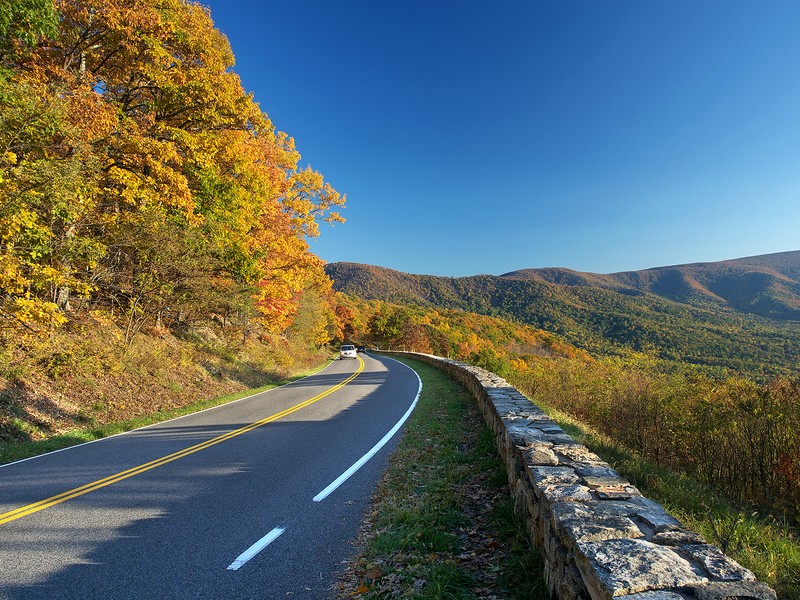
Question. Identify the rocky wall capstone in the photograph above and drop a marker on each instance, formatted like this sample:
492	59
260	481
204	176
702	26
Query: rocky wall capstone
599	537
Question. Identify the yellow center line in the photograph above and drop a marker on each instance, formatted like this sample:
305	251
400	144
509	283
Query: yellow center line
28	509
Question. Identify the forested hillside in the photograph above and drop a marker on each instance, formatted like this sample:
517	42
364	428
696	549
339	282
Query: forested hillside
767	285
153	222
494	343
604	315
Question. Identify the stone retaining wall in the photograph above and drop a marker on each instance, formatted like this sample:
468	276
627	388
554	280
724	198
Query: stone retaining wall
599	536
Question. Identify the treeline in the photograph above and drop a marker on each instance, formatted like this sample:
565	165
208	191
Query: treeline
137	177
493	343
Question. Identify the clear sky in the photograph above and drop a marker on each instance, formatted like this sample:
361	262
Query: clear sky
484	137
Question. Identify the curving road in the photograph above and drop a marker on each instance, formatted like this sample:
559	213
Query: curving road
254	499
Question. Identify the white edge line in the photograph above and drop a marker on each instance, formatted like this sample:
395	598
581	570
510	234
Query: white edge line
256	548
22	460
362	461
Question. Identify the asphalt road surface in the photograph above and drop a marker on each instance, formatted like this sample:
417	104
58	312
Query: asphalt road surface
247	500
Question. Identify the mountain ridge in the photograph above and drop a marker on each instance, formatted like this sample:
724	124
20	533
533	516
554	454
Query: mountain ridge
766	285
740	314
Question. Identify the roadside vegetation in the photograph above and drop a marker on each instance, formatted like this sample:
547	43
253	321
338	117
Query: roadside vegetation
733	435
442	524
83	383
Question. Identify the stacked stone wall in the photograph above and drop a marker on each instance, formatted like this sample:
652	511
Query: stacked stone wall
600	538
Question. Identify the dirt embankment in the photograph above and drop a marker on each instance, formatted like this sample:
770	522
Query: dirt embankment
84	376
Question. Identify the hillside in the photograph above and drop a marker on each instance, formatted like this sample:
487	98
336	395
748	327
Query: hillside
767	285
739	315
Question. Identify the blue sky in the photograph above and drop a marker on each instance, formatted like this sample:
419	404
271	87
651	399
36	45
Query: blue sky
485	137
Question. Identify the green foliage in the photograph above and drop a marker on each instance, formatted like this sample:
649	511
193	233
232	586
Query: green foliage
491	360
24	22
314	323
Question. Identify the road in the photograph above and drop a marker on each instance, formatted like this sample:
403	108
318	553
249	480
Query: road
239	501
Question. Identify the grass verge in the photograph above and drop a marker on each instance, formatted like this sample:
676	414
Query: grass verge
14	450
442	523
768	547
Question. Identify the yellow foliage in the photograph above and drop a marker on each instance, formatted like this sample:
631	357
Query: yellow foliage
31	311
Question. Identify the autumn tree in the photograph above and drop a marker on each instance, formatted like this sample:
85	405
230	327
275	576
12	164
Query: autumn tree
139	174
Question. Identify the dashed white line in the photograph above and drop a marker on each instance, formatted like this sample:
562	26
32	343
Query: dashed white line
256	548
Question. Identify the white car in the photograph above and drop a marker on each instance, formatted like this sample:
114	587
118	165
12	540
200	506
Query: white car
347	351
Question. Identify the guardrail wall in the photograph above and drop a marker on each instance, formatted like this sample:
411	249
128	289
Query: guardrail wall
599	536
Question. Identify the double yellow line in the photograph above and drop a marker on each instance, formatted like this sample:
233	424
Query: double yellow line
22	511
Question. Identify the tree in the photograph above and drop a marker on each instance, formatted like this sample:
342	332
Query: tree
130	148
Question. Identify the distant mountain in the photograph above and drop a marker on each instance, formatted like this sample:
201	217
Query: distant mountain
741	314
767	285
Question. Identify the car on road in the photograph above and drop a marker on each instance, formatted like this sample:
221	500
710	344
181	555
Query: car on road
347	351
361	349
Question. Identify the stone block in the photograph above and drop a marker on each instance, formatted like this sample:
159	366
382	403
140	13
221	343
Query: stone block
621	492
587	510
655	595
637	508
528	436
550	427
600	479
573	452
553	475
566	493
719	566
678	537
516	420
620	567
598	471
555	550
598	529
558	484
539	455
654	514
738	590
